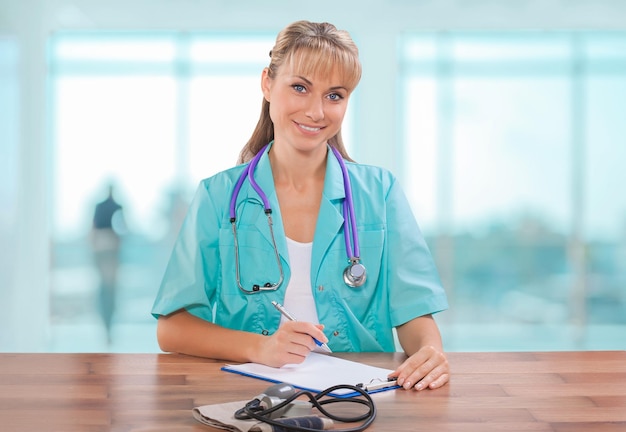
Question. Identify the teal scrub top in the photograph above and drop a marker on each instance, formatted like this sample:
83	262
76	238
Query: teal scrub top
402	280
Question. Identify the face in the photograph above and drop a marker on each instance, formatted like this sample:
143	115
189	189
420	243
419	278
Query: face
306	110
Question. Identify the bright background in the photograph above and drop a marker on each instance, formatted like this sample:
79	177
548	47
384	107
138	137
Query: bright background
502	120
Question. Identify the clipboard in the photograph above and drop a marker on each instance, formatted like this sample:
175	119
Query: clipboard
319	372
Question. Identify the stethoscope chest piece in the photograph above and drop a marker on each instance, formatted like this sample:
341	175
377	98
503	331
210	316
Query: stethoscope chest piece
355	275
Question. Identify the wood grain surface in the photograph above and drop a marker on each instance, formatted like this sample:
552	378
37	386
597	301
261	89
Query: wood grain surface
525	391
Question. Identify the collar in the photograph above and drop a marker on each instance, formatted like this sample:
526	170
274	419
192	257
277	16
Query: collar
333	180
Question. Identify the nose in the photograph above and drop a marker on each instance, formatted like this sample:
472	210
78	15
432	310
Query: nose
315	109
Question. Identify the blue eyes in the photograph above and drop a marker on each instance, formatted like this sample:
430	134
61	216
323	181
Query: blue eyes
335	97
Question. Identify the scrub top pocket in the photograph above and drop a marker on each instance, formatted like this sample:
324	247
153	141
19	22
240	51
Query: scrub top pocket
257	260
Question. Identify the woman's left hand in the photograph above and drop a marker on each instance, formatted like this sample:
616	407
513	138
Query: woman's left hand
427	368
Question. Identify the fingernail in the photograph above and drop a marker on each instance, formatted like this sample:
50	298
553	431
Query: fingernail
407	385
419	385
400	381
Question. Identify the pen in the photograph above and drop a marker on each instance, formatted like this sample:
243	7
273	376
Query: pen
290	317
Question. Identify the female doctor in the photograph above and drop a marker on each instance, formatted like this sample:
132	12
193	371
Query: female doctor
298	223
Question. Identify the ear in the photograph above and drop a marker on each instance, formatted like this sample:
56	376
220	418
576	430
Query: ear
266	83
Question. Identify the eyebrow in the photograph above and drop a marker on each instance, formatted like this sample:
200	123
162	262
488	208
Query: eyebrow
310	83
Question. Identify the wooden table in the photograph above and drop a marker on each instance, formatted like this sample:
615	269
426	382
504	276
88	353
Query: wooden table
528	391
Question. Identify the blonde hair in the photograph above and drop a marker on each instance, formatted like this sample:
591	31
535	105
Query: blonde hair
309	48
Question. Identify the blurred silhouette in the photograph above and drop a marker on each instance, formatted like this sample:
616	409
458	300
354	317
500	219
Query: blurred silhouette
108	225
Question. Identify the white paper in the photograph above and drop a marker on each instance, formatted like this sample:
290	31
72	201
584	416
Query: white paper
318	372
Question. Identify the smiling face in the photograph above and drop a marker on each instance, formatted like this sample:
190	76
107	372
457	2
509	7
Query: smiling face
307	104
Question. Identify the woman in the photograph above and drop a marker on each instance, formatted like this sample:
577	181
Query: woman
237	252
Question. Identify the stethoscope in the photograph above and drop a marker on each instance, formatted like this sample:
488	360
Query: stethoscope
272	407
354	275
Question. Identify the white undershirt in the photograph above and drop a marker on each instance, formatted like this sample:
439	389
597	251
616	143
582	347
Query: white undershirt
299	295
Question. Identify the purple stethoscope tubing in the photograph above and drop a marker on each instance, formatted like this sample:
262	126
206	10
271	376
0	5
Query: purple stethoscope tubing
348	211
354	275
249	172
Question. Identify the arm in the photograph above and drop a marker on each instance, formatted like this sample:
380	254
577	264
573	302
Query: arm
427	365
415	293
185	333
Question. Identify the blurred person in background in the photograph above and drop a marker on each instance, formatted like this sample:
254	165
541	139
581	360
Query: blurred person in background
107	228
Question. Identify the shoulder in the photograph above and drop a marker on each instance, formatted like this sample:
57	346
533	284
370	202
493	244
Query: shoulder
223	181
363	175
213	193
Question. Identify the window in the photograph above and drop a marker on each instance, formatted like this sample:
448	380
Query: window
514	145
153	113
9	160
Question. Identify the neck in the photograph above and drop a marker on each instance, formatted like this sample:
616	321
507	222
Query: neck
297	168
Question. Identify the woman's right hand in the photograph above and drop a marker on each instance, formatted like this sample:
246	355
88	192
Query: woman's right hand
185	333
291	343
